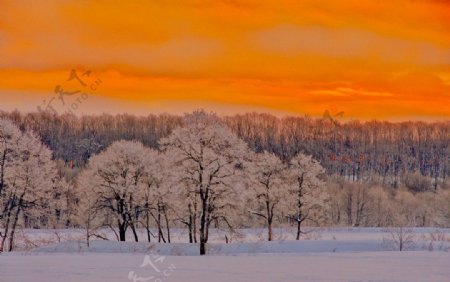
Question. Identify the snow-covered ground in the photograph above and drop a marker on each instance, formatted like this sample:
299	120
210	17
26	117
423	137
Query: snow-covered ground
337	254
364	266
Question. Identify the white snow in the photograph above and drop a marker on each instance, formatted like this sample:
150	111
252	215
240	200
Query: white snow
336	254
379	266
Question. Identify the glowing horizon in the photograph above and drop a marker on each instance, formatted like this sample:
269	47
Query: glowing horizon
388	61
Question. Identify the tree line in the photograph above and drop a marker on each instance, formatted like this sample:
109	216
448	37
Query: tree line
358	151
201	173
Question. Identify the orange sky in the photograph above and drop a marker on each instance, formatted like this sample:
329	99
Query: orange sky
370	59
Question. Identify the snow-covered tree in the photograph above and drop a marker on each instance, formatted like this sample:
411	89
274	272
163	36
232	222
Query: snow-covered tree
28	178
113	181
9	141
187	211
88	217
66	197
307	195
157	194
207	157
269	187
380	207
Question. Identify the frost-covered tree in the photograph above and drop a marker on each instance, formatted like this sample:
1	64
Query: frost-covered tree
207	159
380	207
187	211
307	196
113	181
67	199
157	194
9	141
27	179
88	217
269	187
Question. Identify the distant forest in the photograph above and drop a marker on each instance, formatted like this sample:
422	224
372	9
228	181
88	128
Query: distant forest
357	151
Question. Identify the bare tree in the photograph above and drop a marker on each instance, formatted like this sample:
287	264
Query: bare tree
399	238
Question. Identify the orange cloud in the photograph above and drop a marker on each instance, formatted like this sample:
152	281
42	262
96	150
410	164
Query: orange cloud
388	59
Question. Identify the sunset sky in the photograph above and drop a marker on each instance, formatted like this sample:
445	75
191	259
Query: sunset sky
371	59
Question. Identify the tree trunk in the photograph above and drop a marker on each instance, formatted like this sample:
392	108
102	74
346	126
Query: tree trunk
299	223
5	235
203	233
202	240
269	227
8	220
13	229
123	216
269	220
191	239
194	223
202	246
189	224
349	208
167	224
88	226
122	231
203	227
147	225
299	205
134	232
158	222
